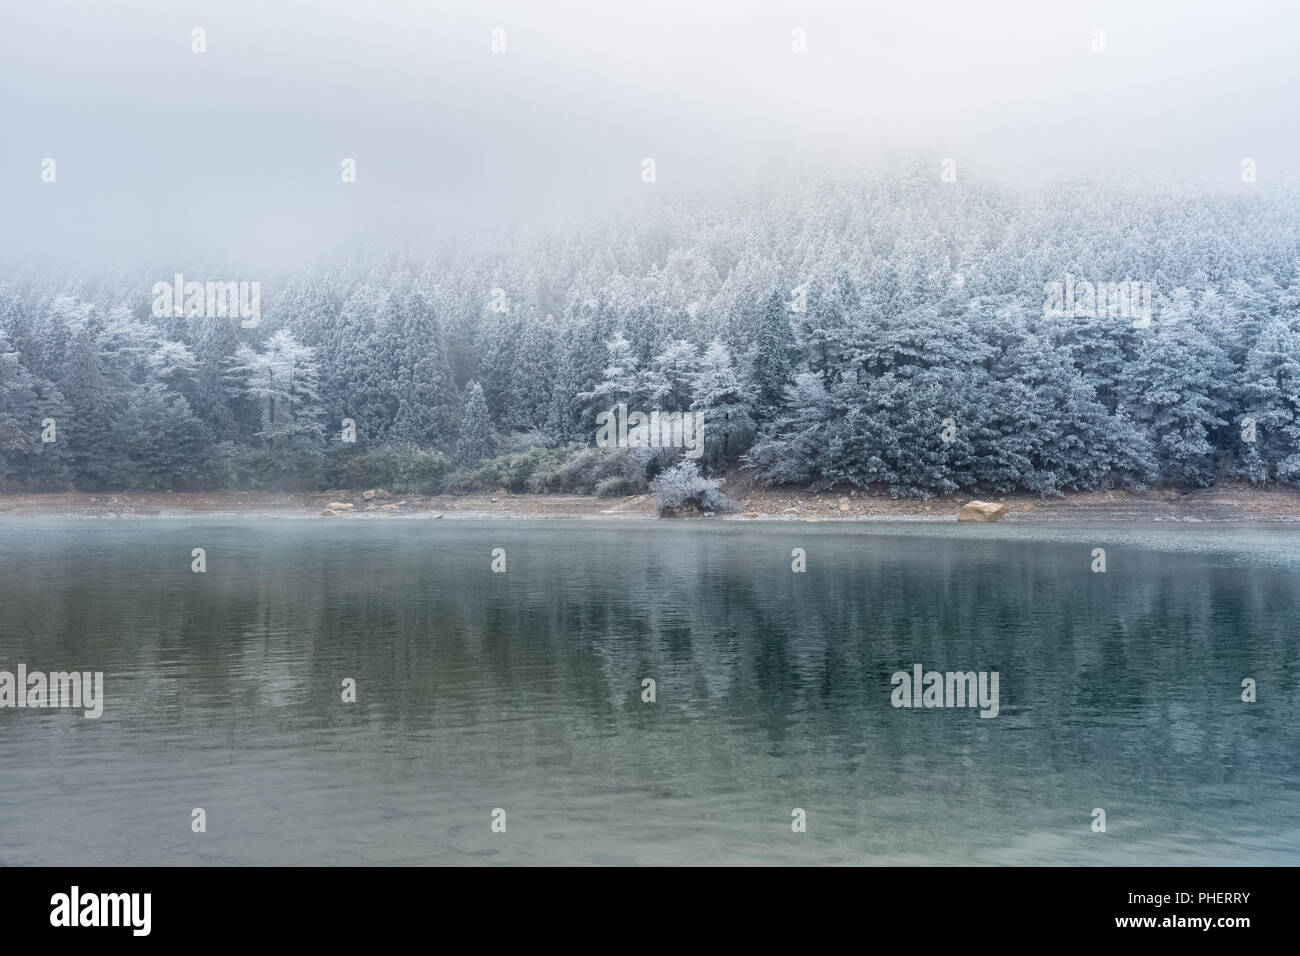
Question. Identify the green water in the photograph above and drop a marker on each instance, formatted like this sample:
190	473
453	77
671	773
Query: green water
523	691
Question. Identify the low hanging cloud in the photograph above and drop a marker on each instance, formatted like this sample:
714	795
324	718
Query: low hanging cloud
468	117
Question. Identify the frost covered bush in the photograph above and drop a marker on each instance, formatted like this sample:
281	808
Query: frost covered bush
682	486
539	471
354	466
420	472
588	467
614	487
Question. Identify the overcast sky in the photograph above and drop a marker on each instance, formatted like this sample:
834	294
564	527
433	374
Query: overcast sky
233	156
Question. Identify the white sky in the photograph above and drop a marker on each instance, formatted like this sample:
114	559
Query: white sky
234	155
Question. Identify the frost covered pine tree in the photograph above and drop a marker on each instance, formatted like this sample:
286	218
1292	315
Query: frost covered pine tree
165	444
1271	388
623	380
725	406
1176	388
426	411
25	403
770	365
670	377
475	442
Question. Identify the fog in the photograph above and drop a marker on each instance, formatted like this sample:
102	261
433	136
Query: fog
233	156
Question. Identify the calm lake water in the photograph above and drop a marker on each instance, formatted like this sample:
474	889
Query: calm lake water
523	691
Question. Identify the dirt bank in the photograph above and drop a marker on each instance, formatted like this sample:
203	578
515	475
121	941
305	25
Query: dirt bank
1221	503
313	505
1235	502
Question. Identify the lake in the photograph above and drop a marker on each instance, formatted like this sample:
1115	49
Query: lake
522	691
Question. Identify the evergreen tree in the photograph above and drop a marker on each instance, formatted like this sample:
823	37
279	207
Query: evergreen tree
165	444
725	406
771	366
1272	392
1177	396
923	307
669	379
26	404
624	380
475	441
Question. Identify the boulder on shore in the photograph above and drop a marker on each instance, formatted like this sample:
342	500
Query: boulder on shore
339	506
982	511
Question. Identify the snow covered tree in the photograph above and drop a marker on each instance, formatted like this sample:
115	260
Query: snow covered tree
165	444
770	365
669	379
283	380
624	380
910	307
1272	392
1176	389
475	441
26	403
725	406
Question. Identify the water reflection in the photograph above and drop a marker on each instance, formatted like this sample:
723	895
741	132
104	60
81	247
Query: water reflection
523	691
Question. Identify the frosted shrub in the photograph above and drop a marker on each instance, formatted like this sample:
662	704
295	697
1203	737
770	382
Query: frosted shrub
682	487
615	486
420	472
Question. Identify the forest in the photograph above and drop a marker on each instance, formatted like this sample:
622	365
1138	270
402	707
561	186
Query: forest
890	332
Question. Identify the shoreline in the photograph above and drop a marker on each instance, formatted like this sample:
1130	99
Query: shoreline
1224	502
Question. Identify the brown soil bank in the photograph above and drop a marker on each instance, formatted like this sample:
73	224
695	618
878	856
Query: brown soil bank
1221	503
1224	502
